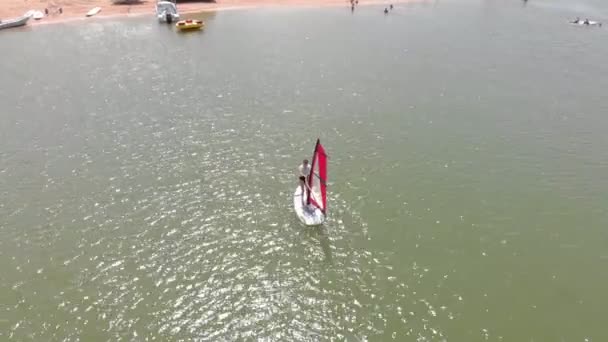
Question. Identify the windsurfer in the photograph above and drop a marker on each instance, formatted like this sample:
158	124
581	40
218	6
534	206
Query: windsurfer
304	171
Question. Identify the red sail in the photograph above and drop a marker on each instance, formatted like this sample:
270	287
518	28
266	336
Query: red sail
317	180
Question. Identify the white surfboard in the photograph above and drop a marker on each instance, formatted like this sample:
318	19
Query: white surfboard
307	213
93	11
311	207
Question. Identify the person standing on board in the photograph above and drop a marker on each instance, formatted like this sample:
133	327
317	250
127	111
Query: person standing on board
304	171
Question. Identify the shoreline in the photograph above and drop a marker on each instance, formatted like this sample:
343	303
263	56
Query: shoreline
75	10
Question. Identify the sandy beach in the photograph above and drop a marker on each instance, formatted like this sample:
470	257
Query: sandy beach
76	9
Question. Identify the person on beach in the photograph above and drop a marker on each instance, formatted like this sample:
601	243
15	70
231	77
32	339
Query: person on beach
385	10
304	171
391	7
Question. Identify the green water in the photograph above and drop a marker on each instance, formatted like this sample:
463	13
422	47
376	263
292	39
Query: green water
146	176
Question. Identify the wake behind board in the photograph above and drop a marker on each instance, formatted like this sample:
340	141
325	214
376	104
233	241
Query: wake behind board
307	213
591	23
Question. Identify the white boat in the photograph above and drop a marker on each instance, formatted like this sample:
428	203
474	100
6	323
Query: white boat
34	14
93	11
166	12
14	22
311	206
582	23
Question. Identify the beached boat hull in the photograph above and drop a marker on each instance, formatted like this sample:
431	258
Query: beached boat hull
167	17
166	12
93	12
37	15
14	22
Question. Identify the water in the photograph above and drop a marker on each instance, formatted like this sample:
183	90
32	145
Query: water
146	176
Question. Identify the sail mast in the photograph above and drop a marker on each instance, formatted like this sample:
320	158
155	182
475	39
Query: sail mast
312	172
317	180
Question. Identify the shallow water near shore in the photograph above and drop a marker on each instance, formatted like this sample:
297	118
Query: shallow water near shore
146	176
